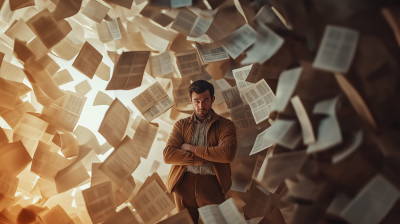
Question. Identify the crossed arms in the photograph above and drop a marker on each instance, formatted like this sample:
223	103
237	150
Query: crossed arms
177	152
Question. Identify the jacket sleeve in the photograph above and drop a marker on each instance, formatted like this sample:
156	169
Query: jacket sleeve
221	154
173	154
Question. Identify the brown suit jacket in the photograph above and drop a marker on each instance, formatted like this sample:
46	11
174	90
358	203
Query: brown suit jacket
220	129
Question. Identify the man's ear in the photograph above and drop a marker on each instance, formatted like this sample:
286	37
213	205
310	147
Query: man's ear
213	99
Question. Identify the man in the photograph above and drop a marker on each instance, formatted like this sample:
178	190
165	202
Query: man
200	149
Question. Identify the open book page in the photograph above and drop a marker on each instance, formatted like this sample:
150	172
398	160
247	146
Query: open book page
83	88
144	136
29	130
46	164
329	133
188	63
22	89
95	11
66	49
103	32
278	167
284	132
180	3
242	117
70	111
161	64
103	72
74	174
42	77
202	39
8	185
227	20
189	24
257	166
114	29
37	47
69	145
211	52
99	202
124	216
87	138
51	66
62	77
20	30
158	109
240	75
51	33
232	97
102	99
211	214
372	203
201	25
238	41
223	84
231	213
60	117
184	21
12	116
122	162
14	5
260	98
181	92
129	70
156	14
261	143
124	3
259	202
182	217
337	49
286	85
146	99
14	158
57	215
7	14
356	100
266	45
88	60
152	203
305	123
8	94
123	191
268	16
11	72
155	66
114	123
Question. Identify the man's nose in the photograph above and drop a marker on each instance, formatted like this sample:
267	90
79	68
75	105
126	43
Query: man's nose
202	105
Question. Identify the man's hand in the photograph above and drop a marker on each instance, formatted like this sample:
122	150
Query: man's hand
188	147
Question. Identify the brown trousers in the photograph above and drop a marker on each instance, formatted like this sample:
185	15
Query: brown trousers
195	191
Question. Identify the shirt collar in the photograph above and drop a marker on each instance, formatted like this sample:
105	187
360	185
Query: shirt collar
208	119
215	116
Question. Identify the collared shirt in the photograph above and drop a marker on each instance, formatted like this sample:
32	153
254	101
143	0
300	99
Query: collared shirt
200	138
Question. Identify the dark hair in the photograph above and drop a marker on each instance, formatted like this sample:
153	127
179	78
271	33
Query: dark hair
200	86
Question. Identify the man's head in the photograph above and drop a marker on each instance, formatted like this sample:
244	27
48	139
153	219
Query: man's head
202	96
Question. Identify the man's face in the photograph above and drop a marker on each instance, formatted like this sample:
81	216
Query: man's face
202	103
